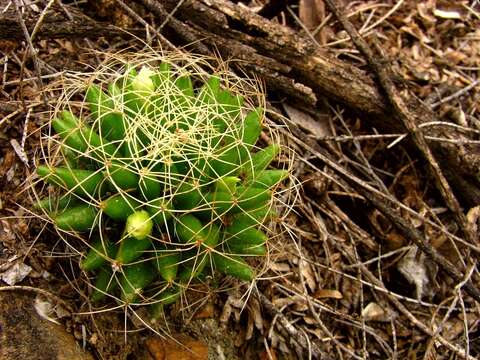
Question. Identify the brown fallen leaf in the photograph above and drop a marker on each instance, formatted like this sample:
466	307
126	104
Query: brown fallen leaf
179	347
308	274
328	294
8	162
413	267
319	128
375	312
280	267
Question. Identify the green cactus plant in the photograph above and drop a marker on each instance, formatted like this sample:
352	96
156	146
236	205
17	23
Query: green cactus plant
167	165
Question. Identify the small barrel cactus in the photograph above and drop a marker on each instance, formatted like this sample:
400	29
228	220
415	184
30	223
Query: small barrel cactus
161	173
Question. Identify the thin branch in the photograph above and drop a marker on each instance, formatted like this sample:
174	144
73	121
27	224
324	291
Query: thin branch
380	200
147	26
456	94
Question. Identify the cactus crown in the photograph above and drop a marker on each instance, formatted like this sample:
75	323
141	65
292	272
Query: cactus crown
160	171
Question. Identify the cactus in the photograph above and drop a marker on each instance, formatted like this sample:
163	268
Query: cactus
167	164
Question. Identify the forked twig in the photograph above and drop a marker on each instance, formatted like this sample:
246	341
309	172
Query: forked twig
148	27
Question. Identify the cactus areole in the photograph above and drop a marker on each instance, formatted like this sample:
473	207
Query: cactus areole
161	172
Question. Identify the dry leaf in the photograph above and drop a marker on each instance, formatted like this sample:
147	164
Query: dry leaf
205	312
308	275
8	162
45	309
424	10
310	320
268	355
226	312
309	12
301	306
231	305
249	329
254	307
280	267
254	318
318	128
312	14
328	294
394	241
320	335
473	217
414	30
16	273
412	267
374	312
282	302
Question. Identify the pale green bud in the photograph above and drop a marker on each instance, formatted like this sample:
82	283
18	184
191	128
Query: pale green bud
143	81
139	225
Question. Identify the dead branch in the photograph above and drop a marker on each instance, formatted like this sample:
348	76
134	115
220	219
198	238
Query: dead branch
347	252
55	24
